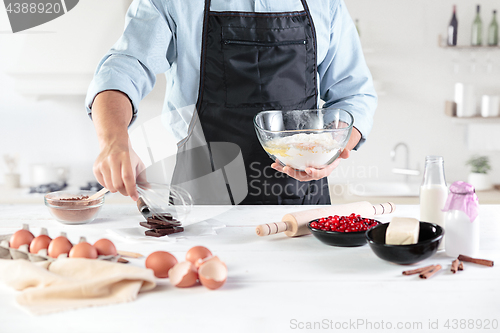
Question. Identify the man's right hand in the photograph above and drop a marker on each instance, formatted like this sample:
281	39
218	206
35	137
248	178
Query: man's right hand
117	165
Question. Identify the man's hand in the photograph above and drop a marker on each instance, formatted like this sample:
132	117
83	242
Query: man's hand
116	168
117	165
316	174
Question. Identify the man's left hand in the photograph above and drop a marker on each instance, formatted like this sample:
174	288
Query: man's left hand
316	174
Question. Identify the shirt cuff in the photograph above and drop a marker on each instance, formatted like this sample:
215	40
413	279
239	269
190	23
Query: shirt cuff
108	79
363	123
362	114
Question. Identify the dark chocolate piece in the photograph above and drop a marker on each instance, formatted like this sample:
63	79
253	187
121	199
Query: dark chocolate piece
156	225
163	232
162	217
169	221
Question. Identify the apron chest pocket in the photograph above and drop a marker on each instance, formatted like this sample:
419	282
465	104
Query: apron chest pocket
264	67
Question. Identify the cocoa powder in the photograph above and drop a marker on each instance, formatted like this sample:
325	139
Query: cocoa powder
75	209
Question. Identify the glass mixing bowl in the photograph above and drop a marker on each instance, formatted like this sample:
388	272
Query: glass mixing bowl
304	138
69	207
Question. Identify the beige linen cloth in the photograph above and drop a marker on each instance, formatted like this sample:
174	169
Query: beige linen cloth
73	283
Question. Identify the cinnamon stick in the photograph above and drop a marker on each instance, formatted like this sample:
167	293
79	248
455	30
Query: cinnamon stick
454	265
431	267
483	262
427	274
417	270
461	266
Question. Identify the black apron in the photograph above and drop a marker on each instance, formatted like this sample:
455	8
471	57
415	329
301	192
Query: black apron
250	62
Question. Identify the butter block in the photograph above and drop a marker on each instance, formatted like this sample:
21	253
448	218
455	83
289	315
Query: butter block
402	231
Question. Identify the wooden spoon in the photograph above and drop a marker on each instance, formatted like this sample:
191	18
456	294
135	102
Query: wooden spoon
98	194
130	254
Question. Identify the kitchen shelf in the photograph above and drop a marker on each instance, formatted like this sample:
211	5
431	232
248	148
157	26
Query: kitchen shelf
472	48
469	47
475	120
442	44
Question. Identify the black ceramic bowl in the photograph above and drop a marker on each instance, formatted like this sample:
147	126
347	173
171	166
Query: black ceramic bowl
428	241
335	238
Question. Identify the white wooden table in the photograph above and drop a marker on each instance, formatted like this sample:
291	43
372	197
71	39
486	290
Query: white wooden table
275	284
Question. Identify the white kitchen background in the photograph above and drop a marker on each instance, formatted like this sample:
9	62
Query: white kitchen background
44	73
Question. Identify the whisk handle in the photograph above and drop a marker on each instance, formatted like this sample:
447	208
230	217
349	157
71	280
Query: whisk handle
143	207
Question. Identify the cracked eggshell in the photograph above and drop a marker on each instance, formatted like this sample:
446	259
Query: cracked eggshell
197	254
201	262
161	262
213	273
183	275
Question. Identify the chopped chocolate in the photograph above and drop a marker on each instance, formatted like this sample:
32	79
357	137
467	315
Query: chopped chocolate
168	221
162	217
156	225
159	225
151	225
163	232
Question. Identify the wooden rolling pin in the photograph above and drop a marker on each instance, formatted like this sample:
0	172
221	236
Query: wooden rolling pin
295	224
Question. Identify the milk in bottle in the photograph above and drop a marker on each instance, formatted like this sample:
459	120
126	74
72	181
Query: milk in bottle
433	193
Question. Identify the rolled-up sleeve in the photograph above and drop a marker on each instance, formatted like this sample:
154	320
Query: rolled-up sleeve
141	52
345	80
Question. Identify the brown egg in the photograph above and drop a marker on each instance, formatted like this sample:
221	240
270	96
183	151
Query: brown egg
105	247
213	273
21	237
83	250
40	243
58	246
197	254
183	275
160	262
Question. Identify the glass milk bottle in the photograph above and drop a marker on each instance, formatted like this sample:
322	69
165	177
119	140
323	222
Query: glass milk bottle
433	193
462	220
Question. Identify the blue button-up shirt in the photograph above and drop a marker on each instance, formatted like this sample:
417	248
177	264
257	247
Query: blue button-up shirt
164	36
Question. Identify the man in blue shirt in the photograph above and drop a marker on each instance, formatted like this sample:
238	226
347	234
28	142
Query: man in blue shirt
225	61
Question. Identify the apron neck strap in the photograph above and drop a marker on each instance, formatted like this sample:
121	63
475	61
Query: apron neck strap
209	2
